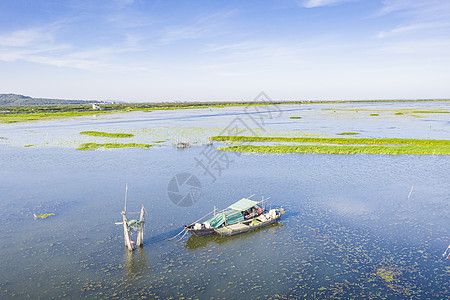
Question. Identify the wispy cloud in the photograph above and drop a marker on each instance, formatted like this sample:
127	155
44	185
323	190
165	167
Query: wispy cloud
419	9
429	17
319	3
40	45
205	26
412	27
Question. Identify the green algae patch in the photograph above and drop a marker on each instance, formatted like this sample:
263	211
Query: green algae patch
107	134
374	115
348	133
345	149
95	146
43	216
26	146
295	117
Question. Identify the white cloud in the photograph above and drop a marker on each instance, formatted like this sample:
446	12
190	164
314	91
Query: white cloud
319	3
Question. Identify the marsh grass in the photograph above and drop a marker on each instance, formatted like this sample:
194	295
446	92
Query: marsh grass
95	146
106	134
345	149
348	133
365	141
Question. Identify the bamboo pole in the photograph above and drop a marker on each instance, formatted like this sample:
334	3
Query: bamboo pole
126	233
140	237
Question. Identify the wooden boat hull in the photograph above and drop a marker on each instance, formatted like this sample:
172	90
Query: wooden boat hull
200	232
242	227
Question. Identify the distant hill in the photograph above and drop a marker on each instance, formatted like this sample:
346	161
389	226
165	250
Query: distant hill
21	100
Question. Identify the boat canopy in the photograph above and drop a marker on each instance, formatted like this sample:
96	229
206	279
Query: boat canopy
243	204
232	214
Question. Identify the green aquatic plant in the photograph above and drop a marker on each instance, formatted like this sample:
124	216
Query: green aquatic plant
295	117
26	146
345	149
365	141
431	111
35	116
386	274
374	115
95	146
43	216
398	114
348	133
107	134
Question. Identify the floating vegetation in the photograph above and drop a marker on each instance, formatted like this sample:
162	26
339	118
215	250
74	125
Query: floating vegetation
374	115
95	146
3	138
387	274
43	216
431	111
348	133
365	141
26	146
398	114
35	116
295	117
398	111
345	149
107	134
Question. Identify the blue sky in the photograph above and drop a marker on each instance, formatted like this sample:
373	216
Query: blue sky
225	49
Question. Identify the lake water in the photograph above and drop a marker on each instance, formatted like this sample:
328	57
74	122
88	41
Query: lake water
356	226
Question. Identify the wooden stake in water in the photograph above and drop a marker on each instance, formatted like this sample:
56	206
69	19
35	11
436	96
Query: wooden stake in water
140	237
127	226
127	233
410	192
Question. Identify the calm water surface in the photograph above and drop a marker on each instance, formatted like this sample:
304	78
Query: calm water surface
350	230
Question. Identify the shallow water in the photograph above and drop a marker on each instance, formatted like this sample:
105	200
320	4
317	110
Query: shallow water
351	222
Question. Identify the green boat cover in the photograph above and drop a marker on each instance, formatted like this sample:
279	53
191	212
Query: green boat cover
233	214
229	216
243	204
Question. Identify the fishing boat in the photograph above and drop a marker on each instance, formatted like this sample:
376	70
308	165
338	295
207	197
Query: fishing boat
242	216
